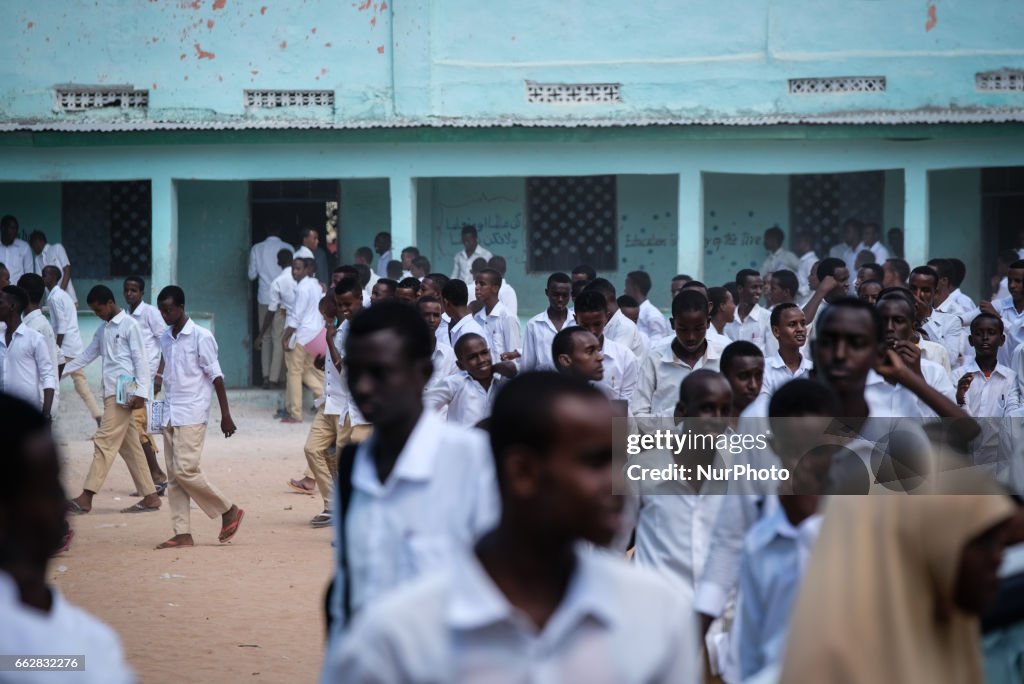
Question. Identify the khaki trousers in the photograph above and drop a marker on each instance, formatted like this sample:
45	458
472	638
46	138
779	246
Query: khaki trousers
276	354
265	351
324	432
141	423
183	445
300	372
82	387
117	433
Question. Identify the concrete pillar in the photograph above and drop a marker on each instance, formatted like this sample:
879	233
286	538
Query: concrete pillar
403	213
915	215
164	194
690	224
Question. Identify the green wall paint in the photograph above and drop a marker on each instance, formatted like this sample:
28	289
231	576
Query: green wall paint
954	198
36	206
365	211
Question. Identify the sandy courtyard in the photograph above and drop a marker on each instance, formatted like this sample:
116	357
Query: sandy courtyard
246	611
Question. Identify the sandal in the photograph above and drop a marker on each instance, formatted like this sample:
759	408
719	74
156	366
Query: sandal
321	520
227	533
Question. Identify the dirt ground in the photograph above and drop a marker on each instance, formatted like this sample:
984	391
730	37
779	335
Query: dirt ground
246	611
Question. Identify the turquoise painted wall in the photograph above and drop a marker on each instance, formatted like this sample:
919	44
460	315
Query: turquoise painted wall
213	259
893	200
737	210
955	225
417	59
36	206
365	211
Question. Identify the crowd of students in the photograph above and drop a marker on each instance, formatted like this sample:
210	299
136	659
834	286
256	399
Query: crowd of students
468	468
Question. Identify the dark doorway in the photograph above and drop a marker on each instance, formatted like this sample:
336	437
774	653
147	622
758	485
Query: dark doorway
1002	211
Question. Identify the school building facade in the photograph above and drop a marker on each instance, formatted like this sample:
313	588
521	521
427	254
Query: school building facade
162	138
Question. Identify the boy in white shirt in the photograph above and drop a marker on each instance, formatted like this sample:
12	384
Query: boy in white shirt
191	373
742	366
25	367
944	328
469	394
464	258
282	298
789	327
15	253
44	255
620	365
506	293
751	322
64	320
617	328
651	321
577	353
432	285
303	324
118	341
504	337
529	602
32	317
779	257
542	328
152	325
442	356
455	298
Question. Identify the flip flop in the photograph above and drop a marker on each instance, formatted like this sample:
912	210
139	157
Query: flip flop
140	508
171	544
72	507
300	489
227	533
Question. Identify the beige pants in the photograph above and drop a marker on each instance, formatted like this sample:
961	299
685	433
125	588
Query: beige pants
300	372
276	354
82	387
183	445
266	353
141	423
324	432
117	433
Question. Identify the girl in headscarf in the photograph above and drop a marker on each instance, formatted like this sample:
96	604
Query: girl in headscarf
894	589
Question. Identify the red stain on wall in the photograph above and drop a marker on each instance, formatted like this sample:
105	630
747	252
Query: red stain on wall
932	19
219	4
263	10
203	54
380	49
209	23
323	71
154	86
196	4
283	45
313	30
31	24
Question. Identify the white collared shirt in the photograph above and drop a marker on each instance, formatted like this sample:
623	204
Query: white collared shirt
53	255
65	630
1013	328
987	399
935	352
303	252
466	400
441	334
756	327
780	259
624	331
443	359
776	374
503	332
651	322
946	329
382	264
37	321
263	265
540	333
17	257
896	401
467	324
305	316
152	325
282	291
190	367
338	400
25	366
621	370
438	500
878	249
507	296
849	256
803	276
462	270
616	624
661	374
64	321
119	342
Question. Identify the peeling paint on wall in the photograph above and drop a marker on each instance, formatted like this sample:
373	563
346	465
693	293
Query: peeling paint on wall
203	54
932	19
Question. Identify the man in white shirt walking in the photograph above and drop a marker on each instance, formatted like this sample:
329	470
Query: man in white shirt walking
264	268
619	328
528	602
303	324
152	325
15	253
779	257
382	245
870	242
25	364
32	317
507	294
471	251
504	337
751	323
542	328
64	320
804	246
44	254
651	321
191	374
119	343
282	297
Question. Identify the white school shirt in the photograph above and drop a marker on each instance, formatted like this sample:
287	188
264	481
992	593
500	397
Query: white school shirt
65	630
776	374
462	269
303	252
967	306
616	624
897	401
282	291
466	400
54	255
26	368
878	249
466	324
305	316
803	275
756	327
540	333
37	321
507	296
337	395
987	398
503	332
441	334
119	342
17	257
946	329
780	259
263	265
624	331
1003	292
443	359
1013	328
152	325
439	498
64	321
661	374
712	336
190	367
849	256
651	322
621	371
382	264
934	352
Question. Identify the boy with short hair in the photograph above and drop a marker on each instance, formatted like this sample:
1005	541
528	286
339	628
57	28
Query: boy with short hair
542	328
45	254
433	285
618	328
869	290
465	257
26	368
506	294
986	389
32	317
191	373
383	290
944	328
408	254
503	332
442	355
620	365
577	352
782	287
64	321
303	324
420	267
778	256
469	395
742	365
791	361
804	246
651	321
152	326
393	270
119	342
751	322
382	246
1012	312
456	305
408	290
